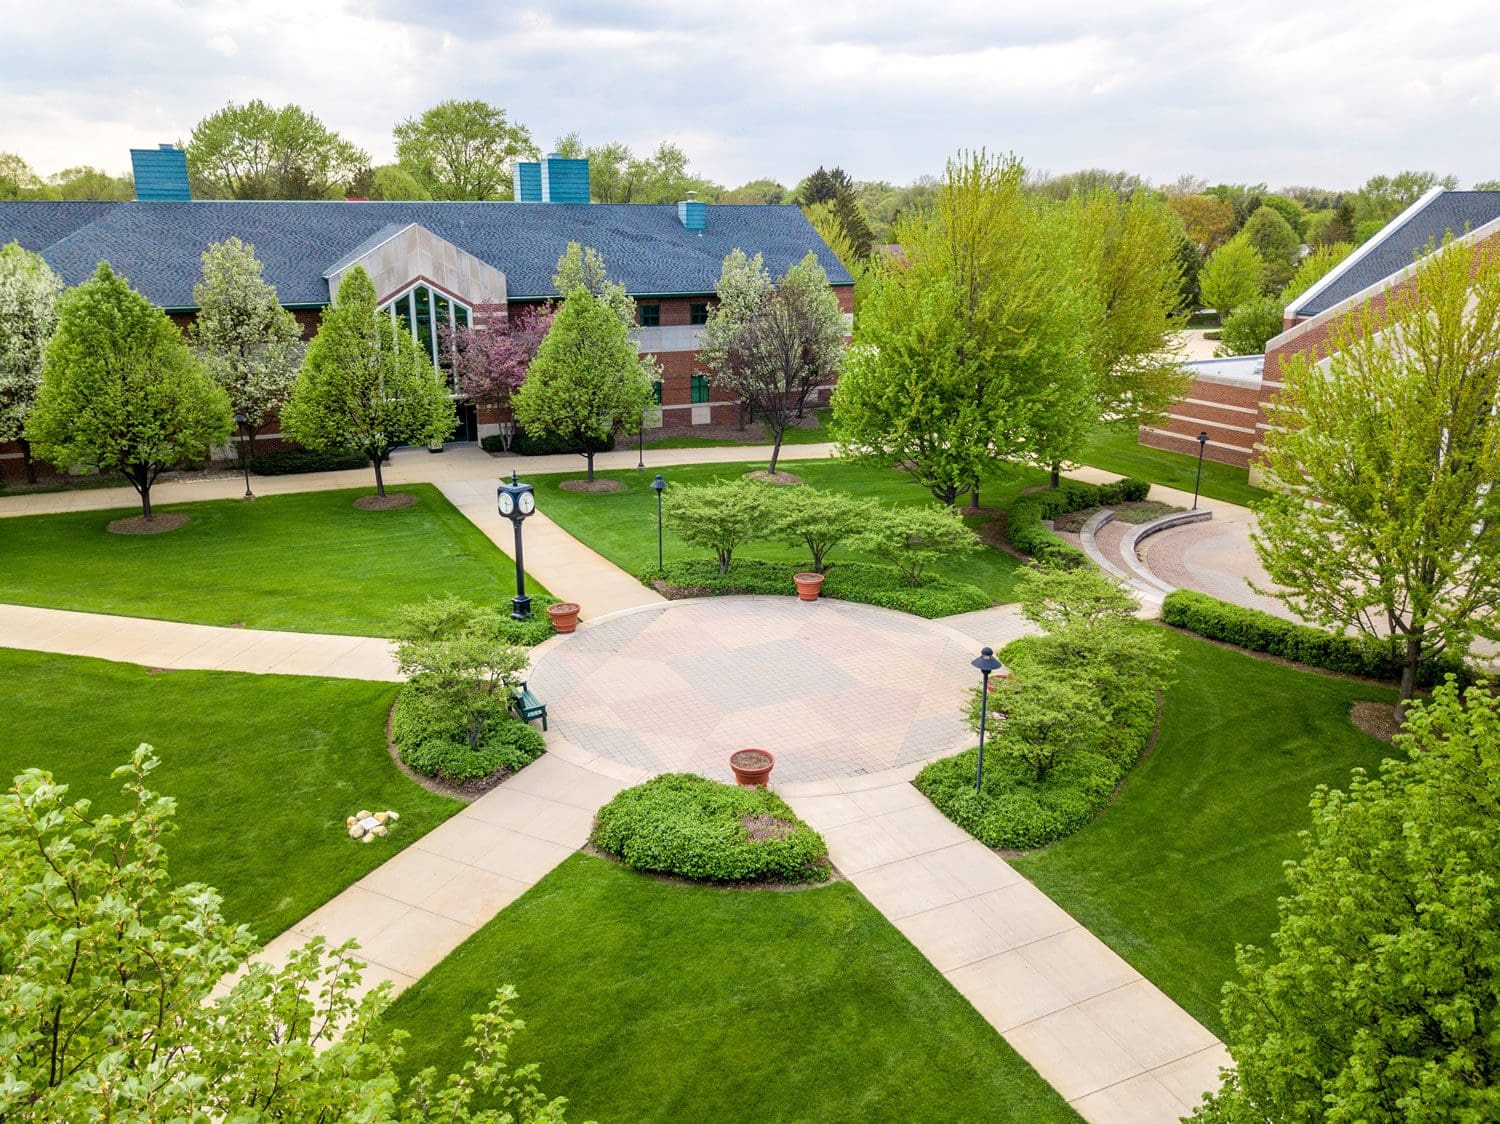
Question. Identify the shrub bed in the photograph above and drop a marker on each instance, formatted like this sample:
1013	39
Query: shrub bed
1027	533
692	827
1015	810
1262	632
287	462
863	582
429	741
533	445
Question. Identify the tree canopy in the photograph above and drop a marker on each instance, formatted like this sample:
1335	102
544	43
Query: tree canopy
1231	276
462	149
28	316
257	151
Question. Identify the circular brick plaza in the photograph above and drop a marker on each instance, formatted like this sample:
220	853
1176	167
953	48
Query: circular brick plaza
831	688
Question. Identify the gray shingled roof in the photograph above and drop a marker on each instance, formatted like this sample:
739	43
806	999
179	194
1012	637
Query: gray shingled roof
1397	246
158	246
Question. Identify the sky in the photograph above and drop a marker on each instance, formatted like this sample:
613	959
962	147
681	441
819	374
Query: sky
1321	93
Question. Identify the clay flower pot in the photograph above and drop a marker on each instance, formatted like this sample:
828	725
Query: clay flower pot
808	585
752	767
564	616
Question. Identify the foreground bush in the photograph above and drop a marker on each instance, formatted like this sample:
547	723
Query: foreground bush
1023	522
914	539
692	827
1263	632
287	462
722	516
432	742
862	582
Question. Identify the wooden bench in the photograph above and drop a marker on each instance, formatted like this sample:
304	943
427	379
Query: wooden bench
528	707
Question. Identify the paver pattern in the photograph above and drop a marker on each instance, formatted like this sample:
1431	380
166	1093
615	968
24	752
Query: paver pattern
831	688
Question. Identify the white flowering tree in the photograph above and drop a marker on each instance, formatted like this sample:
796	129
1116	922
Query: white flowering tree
28	317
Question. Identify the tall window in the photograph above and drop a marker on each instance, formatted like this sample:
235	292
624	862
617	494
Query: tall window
648	315
429	314
700	388
698	312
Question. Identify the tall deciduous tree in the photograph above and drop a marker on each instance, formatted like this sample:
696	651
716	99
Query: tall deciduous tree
1277	243
774	346
586	382
1231	276
28	316
120	390
366	384
492	355
1209	220
463	149
256	151
1383	461
1376	998
246	341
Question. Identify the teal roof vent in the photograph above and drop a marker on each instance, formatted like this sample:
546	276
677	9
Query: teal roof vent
161	174
526	177
693	213
564	180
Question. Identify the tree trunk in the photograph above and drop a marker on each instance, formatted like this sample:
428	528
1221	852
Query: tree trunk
145	490
947	493
1056	474
589	453
379	479
26	459
974	499
776	449
1408	675
250	434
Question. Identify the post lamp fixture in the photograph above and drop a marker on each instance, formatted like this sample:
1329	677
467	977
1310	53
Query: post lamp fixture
640	456
658	486
987	665
1202	444
244	426
516	501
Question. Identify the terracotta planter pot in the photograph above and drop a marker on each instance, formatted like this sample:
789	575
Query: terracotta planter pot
564	616
752	767
808	585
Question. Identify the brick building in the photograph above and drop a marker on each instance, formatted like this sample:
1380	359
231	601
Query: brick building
433	264
1228	397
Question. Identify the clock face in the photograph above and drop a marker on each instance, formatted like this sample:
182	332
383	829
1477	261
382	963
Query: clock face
507	503
527	502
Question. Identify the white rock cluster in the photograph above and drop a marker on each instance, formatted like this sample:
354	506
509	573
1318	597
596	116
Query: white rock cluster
367	826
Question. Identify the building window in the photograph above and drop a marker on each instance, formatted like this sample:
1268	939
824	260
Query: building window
698	312
430	316
700	388
656	390
648	315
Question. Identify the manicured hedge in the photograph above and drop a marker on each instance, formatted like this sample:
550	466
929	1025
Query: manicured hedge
528	445
286	462
845	581
429	742
692	827
1258	631
1023	522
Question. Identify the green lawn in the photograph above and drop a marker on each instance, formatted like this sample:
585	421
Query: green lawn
648	1000
622	525
264	769
307	562
1188	859
1115	449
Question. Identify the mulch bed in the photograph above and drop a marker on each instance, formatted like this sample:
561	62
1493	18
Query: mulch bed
1376	719
764	826
1137	511
140	525
993	534
773	477
388	502
597	487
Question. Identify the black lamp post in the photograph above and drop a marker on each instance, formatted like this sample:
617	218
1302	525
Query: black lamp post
1202	444
243	422
516	501
987	665
640	456
658	486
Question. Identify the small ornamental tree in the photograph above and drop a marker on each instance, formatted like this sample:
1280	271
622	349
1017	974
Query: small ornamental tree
366	384
1044	719
820	520
1376	997
112	1004
913	538
28	316
246	341
721	516
120	390
1251	326
1231	276
586	382
493	354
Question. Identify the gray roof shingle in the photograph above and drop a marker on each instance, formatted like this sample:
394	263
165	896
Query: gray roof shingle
1397	246
158	246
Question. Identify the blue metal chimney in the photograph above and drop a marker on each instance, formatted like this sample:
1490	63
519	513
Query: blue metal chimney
161	174
526	177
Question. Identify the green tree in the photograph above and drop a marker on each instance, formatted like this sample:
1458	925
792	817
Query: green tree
462	149
1209	220
393	182
256	151
1487	185
1314	268
1045	720
1382	461
1251	326
820	521
365	383
1376	998
1276	243
916	537
1231	276
823	186
617	175
764	191
721	516
586	382
1382	198
111	1004
17	180
28	317
248	343
1288	209
85	182
120	390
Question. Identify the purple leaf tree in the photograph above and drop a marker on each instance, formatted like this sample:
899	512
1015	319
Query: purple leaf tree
490	358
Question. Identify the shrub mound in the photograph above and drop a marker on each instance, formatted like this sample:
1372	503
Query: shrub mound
863	582
692	827
1262	632
1024	520
431	742
286	462
1015	811
533	445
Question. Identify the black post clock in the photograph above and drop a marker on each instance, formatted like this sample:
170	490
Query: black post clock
516	501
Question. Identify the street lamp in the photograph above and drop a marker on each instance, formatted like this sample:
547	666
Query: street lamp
987	665
1202	444
516	501
658	486
243	422
640	456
